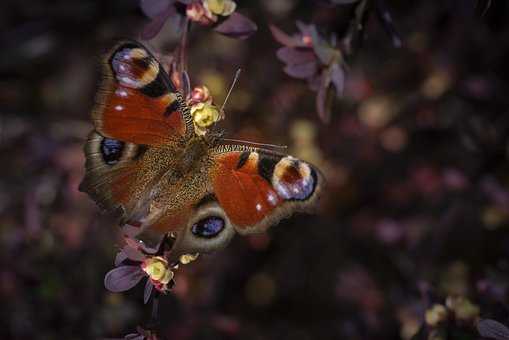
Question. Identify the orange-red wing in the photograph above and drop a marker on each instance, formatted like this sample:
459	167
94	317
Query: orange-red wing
258	188
137	102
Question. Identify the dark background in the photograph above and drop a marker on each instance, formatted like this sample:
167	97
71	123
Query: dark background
416	206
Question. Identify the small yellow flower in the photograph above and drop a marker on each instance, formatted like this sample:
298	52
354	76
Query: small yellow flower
463	308
204	115
158	270
220	7
188	258
436	314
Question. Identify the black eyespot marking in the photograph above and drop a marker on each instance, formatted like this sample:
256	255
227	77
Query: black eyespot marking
208	227
171	108
266	165
206	199
111	150
243	159
140	151
155	88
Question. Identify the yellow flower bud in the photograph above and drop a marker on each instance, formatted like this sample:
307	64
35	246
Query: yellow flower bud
220	7
462	307
204	115
188	258
168	275
436	314
156	268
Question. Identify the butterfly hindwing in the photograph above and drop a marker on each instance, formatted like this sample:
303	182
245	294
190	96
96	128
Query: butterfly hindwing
111	169
257	188
137	102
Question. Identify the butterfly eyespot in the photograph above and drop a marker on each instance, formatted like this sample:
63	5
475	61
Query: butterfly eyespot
208	227
111	150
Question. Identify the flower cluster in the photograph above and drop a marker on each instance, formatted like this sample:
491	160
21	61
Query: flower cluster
158	272
309	56
136	261
204	113
456	313
221	14
206	12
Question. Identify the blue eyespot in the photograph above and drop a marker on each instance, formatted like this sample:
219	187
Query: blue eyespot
208	227
111	150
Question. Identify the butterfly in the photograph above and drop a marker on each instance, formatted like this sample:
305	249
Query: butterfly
146	163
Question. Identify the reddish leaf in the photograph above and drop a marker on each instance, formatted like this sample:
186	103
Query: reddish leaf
324	98
284	39
338	78
493	329
186	84
305	29
140	245
133	254
148	291
292	56
324	52
301	71
152	8
121	257
154	27
237	26
123	278
386	19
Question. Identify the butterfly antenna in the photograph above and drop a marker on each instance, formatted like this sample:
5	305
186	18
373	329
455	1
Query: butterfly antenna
235	78
271	146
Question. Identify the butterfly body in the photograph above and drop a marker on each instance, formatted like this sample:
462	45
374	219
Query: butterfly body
146	163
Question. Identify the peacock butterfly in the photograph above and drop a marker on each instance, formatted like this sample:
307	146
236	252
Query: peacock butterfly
146	161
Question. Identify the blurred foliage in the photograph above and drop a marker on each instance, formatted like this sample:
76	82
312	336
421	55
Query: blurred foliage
416	210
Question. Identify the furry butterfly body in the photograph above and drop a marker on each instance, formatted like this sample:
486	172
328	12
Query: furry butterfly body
145	162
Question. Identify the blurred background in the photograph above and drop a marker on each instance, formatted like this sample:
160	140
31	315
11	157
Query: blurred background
416	209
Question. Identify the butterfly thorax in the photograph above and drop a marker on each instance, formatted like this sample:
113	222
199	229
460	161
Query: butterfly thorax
179	172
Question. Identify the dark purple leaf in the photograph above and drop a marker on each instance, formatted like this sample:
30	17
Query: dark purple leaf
483	6
337	74
186	84
324	98
493	329
386	19
148	291
134	337
133	254
140	245
236	26
123	278
284	39
121	257
324	52
152	8
130	230
154	27
305	29
301	71
314	83
293	56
